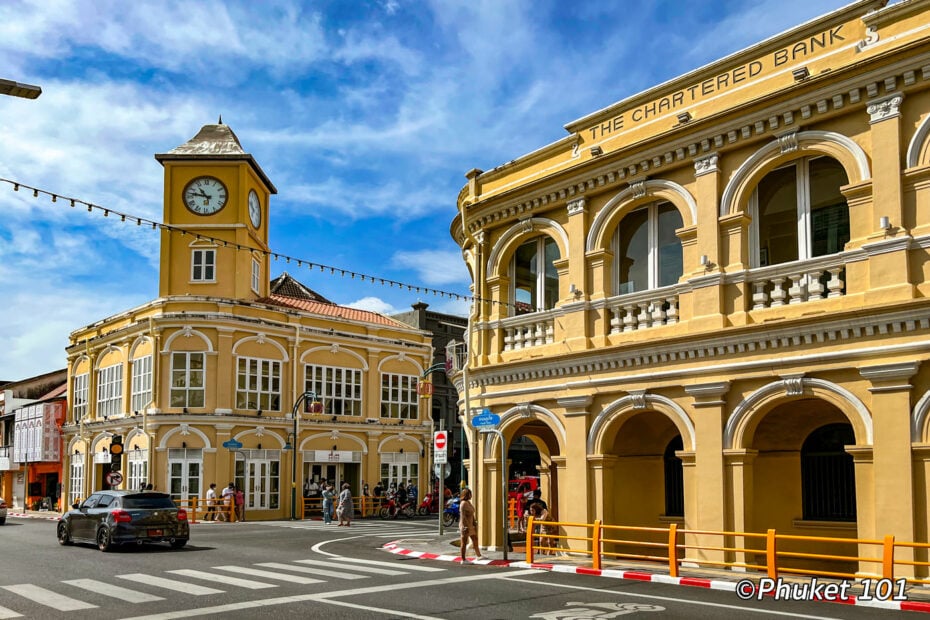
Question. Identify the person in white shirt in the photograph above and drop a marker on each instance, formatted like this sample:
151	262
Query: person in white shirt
211	503
229	494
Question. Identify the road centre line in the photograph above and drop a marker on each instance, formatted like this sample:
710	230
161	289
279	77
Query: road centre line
673	599
325	597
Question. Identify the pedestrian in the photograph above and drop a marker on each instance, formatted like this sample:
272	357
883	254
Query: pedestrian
328	496
365	489
468	525
211	503
345	511
149	487
378	490
541	541
412	491
536	499
239	499
227	502
311	488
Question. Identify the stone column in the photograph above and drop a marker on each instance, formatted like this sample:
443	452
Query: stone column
575	503
891	453
739	465
705	498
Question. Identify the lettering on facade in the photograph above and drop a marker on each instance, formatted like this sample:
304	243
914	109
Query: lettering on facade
711	86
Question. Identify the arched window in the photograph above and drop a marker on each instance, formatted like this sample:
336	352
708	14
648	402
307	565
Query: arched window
674	480
828	480
647	251
799	212
535	279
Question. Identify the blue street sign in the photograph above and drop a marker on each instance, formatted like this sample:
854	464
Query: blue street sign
232	444
485	419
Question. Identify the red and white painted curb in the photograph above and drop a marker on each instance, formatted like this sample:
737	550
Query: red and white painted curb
54	516
712	584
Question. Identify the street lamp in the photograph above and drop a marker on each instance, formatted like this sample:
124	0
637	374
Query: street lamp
16	89
295	413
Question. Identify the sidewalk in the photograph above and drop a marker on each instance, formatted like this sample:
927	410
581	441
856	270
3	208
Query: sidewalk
445	548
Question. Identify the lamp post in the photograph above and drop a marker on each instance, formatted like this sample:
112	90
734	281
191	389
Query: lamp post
295	413
16	89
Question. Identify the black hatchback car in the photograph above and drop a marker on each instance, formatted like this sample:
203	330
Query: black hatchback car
111	518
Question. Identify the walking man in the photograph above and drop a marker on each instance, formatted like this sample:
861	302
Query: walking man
211	503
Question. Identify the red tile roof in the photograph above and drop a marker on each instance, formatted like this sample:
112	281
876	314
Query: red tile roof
329	309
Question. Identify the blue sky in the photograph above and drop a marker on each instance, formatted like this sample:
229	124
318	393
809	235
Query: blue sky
365	115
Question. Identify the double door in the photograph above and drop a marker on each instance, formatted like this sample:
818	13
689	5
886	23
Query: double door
261	481
185	473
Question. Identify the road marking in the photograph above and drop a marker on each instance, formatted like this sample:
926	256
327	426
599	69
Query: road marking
312	571
424	569
328	596
361	569
267	574
8	613
48	598
170	584
673	599
224	579
109	589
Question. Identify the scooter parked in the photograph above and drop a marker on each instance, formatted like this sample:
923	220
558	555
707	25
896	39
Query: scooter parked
451	513
429	505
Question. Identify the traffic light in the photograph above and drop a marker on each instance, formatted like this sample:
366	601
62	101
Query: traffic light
116	452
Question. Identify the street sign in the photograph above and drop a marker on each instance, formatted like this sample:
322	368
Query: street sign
232	444
425	388
485	419
114	478
440	443
442	470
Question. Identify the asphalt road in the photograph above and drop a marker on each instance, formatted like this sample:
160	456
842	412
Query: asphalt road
305	570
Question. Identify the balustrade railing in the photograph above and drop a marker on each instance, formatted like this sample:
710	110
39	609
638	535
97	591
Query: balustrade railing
798	282
528	330
645	309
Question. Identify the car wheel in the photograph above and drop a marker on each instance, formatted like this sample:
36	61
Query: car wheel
64	534
104	542
179	543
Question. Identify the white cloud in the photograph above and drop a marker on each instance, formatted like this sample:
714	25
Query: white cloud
373	304
434	267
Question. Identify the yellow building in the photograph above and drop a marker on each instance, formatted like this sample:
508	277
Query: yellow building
707	304
202	384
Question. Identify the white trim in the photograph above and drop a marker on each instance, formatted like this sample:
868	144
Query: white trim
264	434
261	339
523	227
401	357
620	405
329	348
520	412
400	437
163	444
917	142
338	437
187	332
106	351
919	417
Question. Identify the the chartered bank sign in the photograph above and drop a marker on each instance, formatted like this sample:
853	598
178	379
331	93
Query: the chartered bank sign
736	76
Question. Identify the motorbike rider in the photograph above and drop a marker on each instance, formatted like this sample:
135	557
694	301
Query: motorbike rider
401	496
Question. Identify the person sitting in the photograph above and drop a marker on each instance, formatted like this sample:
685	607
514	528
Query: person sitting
401	496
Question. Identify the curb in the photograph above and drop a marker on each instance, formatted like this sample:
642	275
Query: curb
699	582
23	515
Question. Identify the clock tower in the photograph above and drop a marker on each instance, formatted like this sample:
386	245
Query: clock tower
219	195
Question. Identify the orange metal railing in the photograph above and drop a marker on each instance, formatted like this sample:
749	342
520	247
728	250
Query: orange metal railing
748	551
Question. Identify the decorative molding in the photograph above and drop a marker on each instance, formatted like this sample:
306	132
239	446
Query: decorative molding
788	142
706	165
638	188
793	383
661	404
883	109
521	228
576	206
638	399
702	391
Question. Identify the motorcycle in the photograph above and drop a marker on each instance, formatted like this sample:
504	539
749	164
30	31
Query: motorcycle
451	513
428	505
390	509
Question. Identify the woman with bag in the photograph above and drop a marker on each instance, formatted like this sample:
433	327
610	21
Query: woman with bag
345	511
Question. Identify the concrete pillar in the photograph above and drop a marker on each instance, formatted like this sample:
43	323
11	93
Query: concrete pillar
739	465
225	373
891	453
707	495
575	503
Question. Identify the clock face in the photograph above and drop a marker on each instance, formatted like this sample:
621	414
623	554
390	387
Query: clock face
205	195
255	209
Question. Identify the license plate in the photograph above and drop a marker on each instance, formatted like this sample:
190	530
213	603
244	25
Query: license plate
156	532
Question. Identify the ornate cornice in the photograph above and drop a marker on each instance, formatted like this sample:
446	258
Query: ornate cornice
883	109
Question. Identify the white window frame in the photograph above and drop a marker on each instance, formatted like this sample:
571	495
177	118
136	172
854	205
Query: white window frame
540	283
110	391
258	388
141	383
80	387
256	275
652	255
401	400
186	388
804	224
199	262
76	479
138	469
331	383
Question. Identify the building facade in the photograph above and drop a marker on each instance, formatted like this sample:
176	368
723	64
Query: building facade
707	304
227	376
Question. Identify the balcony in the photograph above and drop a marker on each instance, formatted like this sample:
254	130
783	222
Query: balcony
528	330
645	309
798	282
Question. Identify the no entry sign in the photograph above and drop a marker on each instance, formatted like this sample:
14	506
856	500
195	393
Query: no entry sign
440	443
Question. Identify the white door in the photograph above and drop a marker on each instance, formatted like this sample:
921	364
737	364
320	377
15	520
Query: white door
262	484
185	467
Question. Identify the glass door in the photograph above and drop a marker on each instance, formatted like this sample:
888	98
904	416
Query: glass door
261	479
185	468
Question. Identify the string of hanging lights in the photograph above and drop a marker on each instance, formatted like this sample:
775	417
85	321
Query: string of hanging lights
300	262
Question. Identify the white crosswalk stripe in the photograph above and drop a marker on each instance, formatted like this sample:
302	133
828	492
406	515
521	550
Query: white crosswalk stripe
408	566
48	598
312	571
267	574
170	584
224	579
8	613
362	569
109	589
